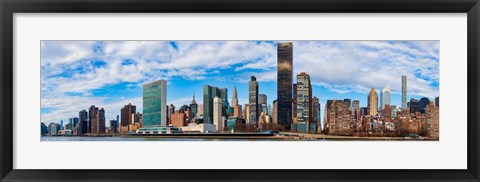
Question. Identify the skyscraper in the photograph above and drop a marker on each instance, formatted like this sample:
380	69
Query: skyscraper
262	103
209	93
254	108
217	113
423	104
372	102
404	92
93	119
126	113
274	112
170	111
356	105
194	108
83	117
101	121
304	98
155	103
234	96
114	126
284	83
385	96
316	111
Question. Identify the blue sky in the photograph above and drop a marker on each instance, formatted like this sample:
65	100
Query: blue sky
110	74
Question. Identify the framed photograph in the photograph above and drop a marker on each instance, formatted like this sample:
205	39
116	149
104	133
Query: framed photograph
244	91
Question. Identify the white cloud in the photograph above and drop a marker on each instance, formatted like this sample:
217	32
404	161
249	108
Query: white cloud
339	66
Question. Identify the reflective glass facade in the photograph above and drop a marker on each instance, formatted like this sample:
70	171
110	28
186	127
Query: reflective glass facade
284	83
154	104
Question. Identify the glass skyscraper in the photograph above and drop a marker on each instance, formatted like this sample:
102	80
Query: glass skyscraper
209	93
155	104
284	83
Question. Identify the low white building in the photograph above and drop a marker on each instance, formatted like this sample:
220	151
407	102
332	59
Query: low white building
202	128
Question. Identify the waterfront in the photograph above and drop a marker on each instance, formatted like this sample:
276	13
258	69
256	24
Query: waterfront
307	137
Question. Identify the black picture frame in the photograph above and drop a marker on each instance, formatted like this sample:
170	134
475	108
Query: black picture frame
9	7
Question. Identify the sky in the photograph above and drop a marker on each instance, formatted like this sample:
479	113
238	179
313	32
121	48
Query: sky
110	74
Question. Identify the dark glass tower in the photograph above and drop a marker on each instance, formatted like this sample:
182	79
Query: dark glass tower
284	83
209	93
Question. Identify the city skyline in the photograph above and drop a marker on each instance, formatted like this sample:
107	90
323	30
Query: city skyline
127	71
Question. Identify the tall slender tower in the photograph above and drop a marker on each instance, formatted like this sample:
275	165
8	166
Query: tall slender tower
284	83
234	96
372	102
254	109
217	113
404	92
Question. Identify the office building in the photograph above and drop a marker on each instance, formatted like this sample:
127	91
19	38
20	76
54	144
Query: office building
217	113
372	102
209	93
126	113
234	96
254	108
101	121
155	104
83	118
274	112
93	118
304	99
385	97
284	83
194	108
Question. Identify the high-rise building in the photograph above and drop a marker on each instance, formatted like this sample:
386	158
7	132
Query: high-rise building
304	99
404	92
170	111
209	93
294	103
372	102
246	112
53	129
262	102
254	108
316	111
414	105
194	108
274	112
338	117
200	111
437	102
385	96
234	96
356	105
114	126
126	113
423	104
237	111
179	119
101	121
83	117
93	118
284	83
432	120
349	102
217	113
155	103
